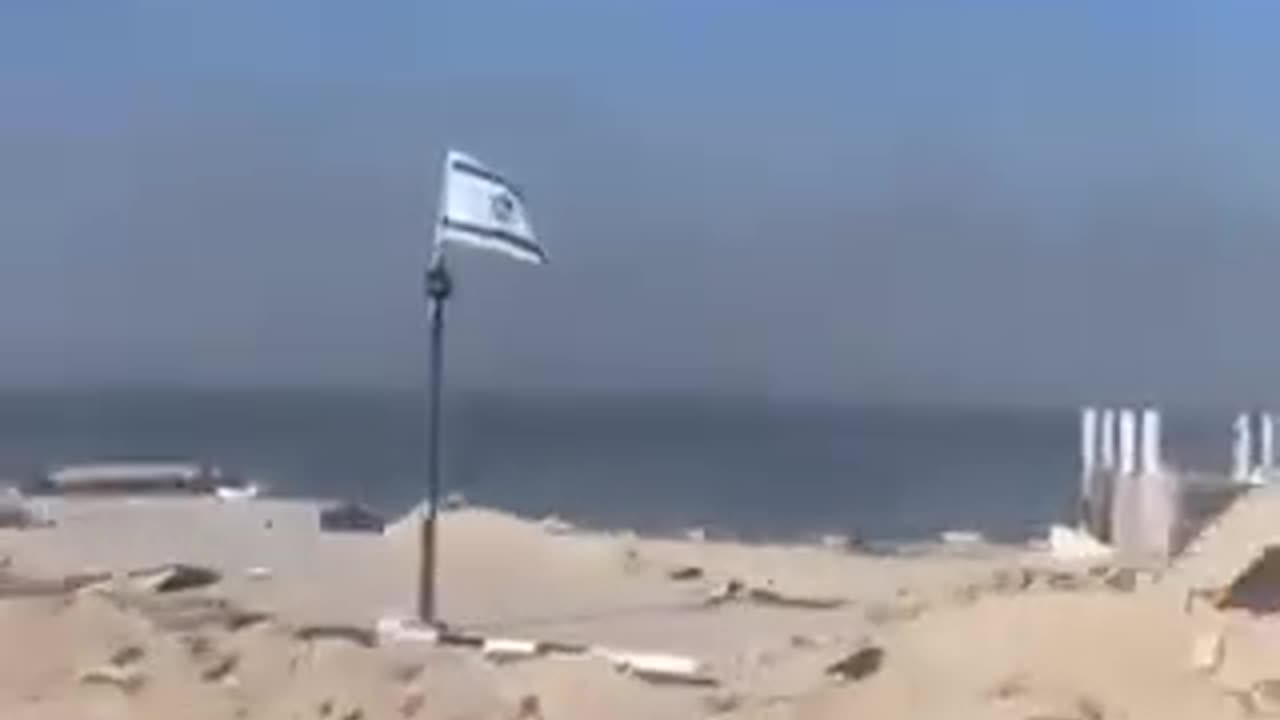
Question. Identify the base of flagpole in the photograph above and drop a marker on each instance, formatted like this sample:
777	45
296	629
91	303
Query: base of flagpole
438	286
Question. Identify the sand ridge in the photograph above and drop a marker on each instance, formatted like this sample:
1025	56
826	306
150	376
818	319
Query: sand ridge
978	631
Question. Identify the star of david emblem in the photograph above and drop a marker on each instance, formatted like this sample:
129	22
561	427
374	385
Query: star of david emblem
503	207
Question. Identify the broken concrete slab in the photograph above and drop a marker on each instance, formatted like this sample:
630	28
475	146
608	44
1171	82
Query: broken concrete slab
128	679
173	578
658	667
502	650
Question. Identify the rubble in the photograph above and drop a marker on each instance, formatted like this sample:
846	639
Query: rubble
858	665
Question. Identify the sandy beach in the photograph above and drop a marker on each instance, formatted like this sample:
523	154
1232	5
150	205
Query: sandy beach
290	626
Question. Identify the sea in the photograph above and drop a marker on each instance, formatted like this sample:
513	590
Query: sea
742	467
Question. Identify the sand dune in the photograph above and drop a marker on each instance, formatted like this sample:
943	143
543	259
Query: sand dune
987	632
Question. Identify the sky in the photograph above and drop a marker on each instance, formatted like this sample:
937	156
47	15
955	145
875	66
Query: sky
987	201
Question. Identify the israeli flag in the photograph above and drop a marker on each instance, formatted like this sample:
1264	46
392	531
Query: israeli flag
481	208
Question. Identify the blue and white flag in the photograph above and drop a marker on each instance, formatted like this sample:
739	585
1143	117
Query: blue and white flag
481	208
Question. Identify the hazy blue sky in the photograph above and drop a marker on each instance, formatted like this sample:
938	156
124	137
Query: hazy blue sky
1032	201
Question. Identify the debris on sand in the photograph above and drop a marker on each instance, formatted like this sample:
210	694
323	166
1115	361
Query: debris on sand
502	650
862	663
731	590
1207	652
1070	544
686	572
128	679
173	578
1264	697
735	590
659	668
221	669
127	655
773	598
361	636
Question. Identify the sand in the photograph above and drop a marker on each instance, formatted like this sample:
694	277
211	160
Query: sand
967	631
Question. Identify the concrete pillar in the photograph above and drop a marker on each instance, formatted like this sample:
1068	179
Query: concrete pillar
1088	441
1107	454
1267	441
1150	460
1128	442
1241	449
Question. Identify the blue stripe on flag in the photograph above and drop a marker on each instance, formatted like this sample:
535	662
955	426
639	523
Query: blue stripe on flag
476	171
518	241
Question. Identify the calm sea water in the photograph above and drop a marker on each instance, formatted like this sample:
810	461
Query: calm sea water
753	469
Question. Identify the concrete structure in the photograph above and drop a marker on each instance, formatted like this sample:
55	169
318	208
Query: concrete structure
1089	441
1128	460
1147	511
1266	442
1241	449
1149	458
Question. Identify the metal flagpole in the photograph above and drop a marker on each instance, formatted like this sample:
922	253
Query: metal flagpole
439	285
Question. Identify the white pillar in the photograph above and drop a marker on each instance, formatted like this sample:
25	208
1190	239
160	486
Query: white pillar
1128	442
1241	449
1107	459
1088	441
1150	456
1267	442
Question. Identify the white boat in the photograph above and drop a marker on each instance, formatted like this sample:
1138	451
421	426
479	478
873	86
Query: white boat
139	477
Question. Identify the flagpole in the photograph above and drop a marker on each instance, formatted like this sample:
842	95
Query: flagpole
439	285
501	225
